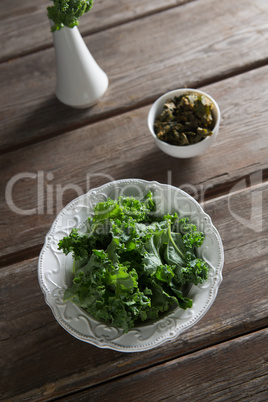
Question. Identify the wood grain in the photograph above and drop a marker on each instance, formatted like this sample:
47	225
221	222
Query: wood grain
233	40
32	342
235	370
44	177
51	153
26	28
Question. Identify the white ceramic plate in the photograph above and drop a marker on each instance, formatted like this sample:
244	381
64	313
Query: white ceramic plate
55	269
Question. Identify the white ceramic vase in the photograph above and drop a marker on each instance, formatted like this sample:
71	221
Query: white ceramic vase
80	80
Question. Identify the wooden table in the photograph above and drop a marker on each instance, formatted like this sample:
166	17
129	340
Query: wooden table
51	153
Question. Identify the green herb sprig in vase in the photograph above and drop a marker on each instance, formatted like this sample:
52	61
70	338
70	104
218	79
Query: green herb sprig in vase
80	82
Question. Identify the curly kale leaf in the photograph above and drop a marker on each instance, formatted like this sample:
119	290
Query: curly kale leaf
124	209
132	266
66	13
109	292
81	246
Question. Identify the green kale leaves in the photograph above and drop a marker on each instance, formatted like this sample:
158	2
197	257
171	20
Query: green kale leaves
131	265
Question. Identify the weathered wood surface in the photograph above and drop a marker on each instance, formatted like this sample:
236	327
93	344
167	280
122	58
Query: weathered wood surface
25	26
154	56
51	154
39	359
122	147
238	373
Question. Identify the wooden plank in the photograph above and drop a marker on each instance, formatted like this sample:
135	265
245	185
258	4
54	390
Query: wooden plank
138	71
236	370
40	360
40	180
31	21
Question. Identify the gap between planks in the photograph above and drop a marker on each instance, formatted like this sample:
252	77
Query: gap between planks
194	352
102	29
211	196
138	105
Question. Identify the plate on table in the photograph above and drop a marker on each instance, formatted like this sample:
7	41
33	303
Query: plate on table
55	269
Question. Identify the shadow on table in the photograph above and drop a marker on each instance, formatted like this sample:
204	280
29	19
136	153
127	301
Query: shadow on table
162	168
43	121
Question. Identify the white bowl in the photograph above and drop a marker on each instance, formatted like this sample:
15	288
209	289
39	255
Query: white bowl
187	151
55	269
